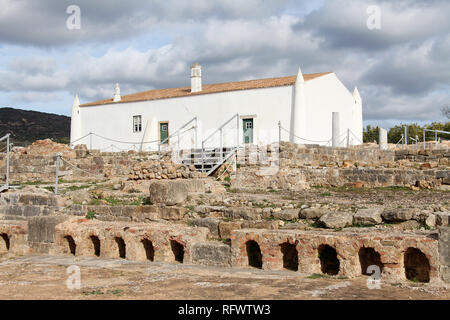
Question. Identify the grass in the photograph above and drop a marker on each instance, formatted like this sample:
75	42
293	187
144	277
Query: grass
75	188
325	194
100	292
51	189
91	215
362	225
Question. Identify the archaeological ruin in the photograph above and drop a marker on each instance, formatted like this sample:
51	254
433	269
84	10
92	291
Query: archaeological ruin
338	212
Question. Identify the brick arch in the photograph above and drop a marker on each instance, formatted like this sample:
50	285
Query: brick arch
5	242
149	248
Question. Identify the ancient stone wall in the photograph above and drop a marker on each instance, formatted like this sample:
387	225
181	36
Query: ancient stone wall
299	178
312	252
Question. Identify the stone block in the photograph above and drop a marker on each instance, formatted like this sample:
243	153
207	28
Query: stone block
444	253
211	254
210	223
225	228
334	220
42	229
312	213
287	214
168	192
370	216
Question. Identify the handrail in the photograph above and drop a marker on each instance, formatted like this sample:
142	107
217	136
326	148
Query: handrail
220	128
176	133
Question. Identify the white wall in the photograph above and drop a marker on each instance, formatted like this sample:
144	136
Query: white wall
324	95
115	121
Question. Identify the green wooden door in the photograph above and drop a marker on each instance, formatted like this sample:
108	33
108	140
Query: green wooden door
164	132
248	130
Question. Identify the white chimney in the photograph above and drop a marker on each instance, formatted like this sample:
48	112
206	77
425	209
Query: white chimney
196	77
117	96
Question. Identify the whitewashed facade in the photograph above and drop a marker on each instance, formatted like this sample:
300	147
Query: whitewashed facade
303	105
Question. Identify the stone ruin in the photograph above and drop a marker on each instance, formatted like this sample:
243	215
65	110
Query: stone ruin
326	211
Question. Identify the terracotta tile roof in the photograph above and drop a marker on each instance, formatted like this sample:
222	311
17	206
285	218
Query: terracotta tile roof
207	88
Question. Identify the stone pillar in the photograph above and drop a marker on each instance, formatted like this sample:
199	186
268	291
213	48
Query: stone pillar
382	138
298	112
444	253
336	130
75	123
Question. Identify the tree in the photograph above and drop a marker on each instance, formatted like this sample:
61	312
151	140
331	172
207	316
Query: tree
371	134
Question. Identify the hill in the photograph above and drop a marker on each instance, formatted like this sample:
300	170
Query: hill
28	126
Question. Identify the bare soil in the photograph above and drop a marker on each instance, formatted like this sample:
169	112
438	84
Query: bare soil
44	277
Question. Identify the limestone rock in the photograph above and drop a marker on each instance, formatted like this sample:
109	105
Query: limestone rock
210	223
443	219
168	192
400	214
81	196
431	220
334	220
312	213
211	254
368	216
225	228
287	214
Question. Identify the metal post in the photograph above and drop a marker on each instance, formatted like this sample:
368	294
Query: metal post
405	141
58	155
7	161
237	132
178	146
196	133
221	145
159	151
424	138
279	132
203	156
436	136
348	137
90	140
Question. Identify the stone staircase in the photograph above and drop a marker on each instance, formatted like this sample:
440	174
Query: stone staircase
207	160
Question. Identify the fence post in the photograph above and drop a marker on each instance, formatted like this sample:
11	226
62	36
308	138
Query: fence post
221	145
348	137
58	155
279	133
7	161
424	138
237	131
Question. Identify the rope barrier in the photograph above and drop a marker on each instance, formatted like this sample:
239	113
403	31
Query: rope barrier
304	138
75	167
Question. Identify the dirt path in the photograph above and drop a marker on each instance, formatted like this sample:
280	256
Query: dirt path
44	277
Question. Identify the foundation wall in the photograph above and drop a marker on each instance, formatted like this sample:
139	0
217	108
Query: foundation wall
390	247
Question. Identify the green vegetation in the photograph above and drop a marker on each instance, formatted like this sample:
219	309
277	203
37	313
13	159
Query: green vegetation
91	215
75	188
370	133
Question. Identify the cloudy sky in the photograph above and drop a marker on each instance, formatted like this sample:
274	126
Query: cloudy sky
402	69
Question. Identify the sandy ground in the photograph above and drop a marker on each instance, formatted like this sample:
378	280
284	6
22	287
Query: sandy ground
45	277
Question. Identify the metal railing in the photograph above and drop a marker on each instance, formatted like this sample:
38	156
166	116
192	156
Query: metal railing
178	134
436	132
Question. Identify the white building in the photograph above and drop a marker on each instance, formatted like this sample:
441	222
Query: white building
249	111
